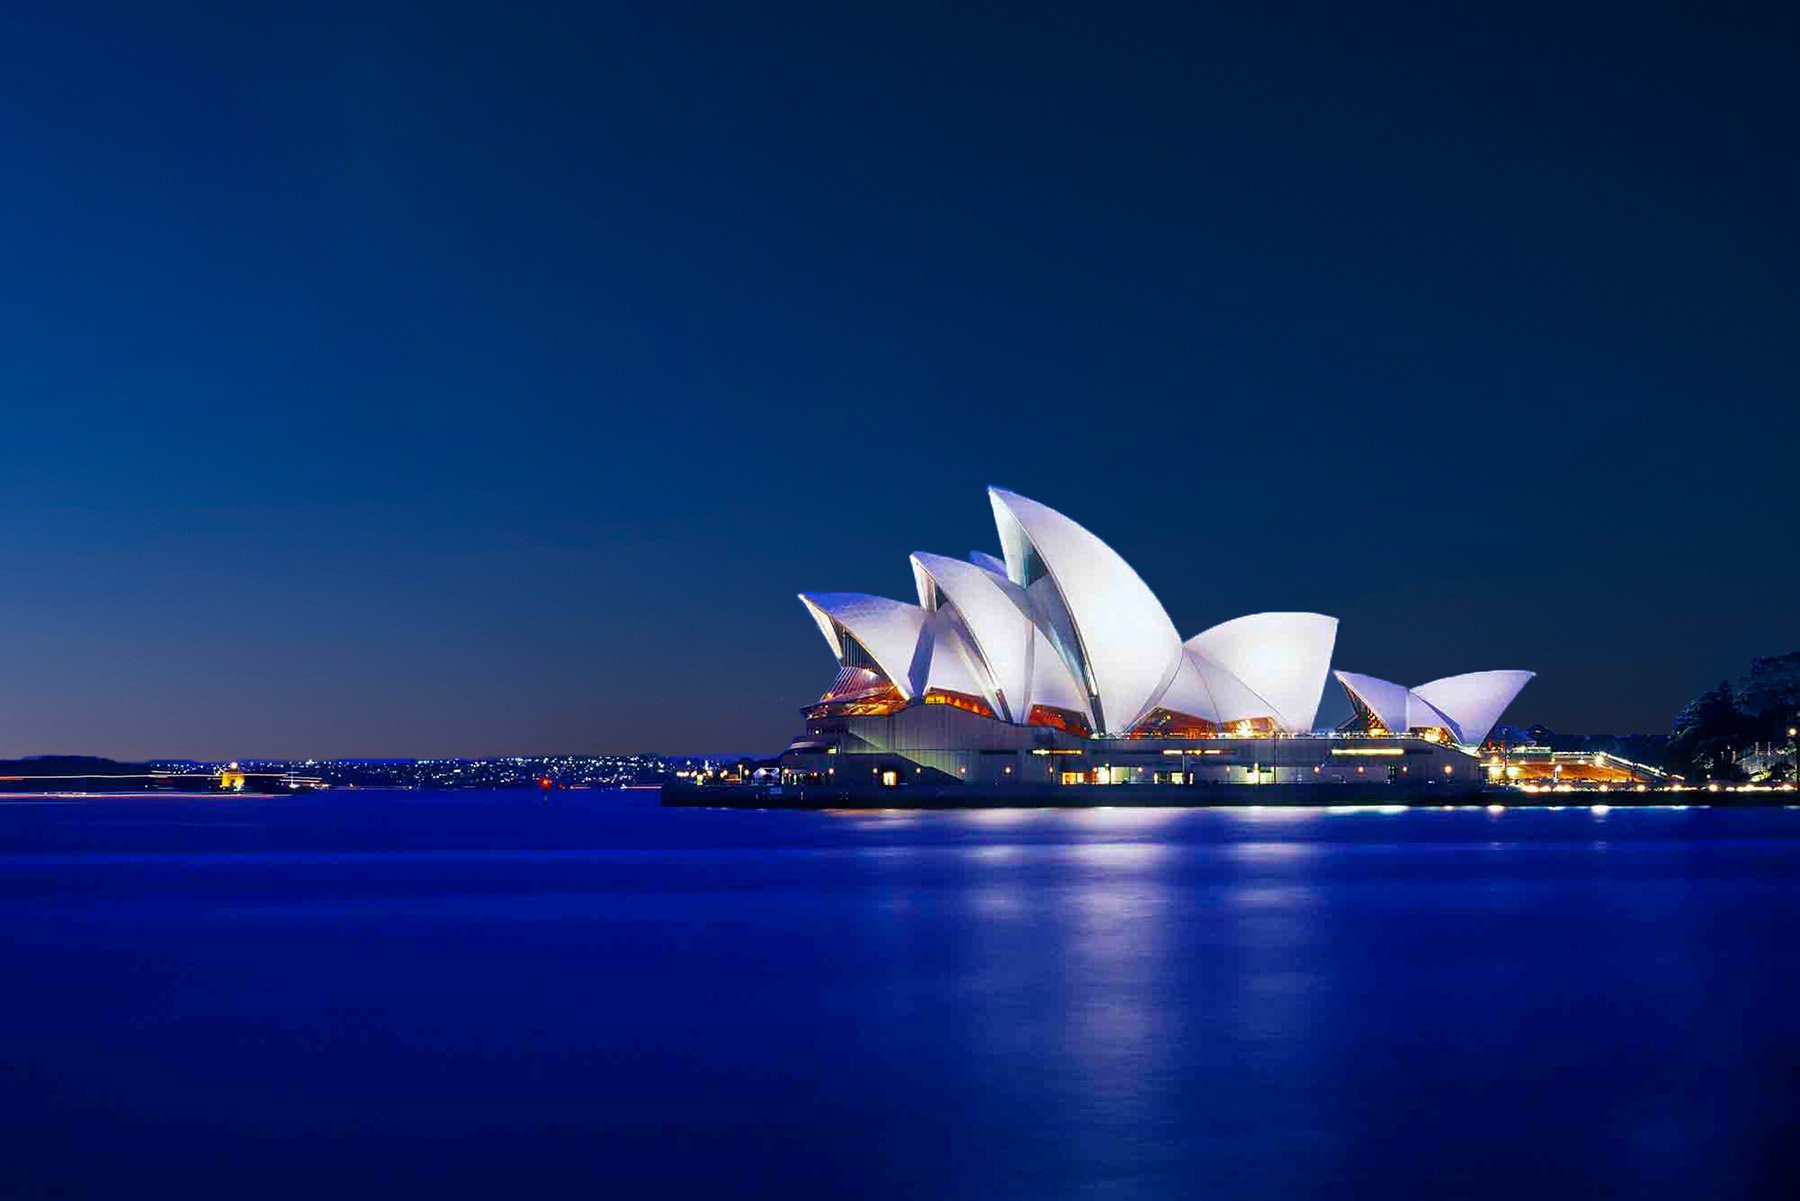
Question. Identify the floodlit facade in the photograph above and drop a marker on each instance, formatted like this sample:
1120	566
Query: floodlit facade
1054	665
1462	709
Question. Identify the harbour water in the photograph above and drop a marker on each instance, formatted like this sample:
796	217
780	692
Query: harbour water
483	994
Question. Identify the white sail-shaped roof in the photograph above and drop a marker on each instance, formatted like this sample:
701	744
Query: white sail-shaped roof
888	630
1233	699
1466	705
1065	623
922	583
1475	701
1203	688
1384	698
1051	683
1127	646
1282	657
1052	618
994	612
1187	691
1421	714
954	664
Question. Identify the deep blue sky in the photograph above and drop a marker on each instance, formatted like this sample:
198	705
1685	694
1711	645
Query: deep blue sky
451	379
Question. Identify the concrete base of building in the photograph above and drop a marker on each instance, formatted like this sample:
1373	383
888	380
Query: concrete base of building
938	756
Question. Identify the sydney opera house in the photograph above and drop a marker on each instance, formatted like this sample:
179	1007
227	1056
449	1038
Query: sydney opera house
1052	674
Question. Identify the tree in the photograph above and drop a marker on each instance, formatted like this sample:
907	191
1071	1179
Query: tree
1707	733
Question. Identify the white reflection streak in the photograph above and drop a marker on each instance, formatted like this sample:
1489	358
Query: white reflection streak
1123	820
1118	854
1270	852
1115	932
1263	814
997	817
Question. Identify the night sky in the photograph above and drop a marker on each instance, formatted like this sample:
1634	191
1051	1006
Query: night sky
444	379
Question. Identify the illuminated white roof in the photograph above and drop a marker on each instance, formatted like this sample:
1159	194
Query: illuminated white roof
1064	622
994	611
1474	702
1128	649
1234	699
955	665
1187	691
889	630
1421	714
1281	657
1385	699
1466	705
1051	683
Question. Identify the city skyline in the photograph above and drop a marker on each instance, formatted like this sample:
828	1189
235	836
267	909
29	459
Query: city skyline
474	383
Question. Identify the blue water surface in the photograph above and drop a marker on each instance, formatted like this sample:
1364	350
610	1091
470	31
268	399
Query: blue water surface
481	994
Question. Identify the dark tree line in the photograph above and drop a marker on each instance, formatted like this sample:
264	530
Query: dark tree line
1718	724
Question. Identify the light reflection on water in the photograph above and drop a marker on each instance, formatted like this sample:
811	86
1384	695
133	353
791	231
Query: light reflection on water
1117	855
1124	820
1270	852
1260	1002
989	818
1272	814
